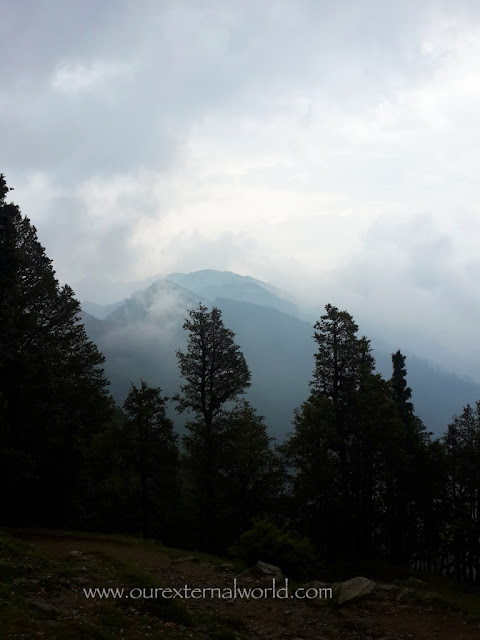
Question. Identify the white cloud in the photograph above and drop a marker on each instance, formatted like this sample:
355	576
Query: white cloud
75	77
327	147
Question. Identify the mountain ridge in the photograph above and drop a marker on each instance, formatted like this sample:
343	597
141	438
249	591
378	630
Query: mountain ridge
141	335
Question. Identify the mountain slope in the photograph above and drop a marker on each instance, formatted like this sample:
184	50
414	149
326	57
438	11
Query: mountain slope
141	335
99	311
210	284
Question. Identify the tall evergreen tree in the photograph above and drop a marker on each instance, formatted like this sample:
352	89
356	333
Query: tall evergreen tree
53	389
216	373
408	478
401	392
340	360
462	449
213	366
345	435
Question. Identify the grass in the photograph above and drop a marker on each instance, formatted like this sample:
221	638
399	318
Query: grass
41	591
132	541
455	595
41	594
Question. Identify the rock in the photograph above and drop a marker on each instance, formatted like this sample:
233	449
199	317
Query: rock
75	553
355	588
225	567
416	582
264	569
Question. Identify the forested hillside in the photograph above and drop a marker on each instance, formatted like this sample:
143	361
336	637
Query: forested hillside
140	335
359	476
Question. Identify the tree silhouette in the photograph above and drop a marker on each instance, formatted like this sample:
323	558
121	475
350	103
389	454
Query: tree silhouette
216	372
53	389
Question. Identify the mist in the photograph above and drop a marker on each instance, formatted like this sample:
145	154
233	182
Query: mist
322	148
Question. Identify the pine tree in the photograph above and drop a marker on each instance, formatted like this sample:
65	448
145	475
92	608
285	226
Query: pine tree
52	386
346	436
340	360
462	448
326	427
213	366
216	373
408	482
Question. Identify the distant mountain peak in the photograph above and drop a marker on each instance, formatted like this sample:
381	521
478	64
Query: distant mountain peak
212	284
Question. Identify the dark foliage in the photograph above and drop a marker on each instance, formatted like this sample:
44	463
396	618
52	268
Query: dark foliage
358	478
154	454
53	391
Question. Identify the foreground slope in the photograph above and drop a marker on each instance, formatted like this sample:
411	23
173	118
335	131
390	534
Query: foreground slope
47	578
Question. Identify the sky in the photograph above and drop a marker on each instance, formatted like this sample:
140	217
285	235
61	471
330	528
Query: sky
330	148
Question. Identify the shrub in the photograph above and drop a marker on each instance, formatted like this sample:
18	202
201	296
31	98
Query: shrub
265	541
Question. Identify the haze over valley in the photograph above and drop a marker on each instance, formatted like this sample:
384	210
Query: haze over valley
140	335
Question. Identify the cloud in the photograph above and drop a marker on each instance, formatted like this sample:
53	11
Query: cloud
410	285
329	148
74	78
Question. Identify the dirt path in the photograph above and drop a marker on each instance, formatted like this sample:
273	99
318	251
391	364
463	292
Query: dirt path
392	614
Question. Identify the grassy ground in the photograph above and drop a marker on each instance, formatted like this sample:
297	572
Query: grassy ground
449	593
41	594
43	575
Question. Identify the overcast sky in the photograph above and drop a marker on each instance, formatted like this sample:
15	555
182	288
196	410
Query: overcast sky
328	147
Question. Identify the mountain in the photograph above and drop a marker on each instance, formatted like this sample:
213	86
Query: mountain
210	284
100	311
140	337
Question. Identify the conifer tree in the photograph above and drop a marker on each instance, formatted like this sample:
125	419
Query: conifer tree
401	392
340	360
409	484
53	389
214	367
345	435
216	373
462	449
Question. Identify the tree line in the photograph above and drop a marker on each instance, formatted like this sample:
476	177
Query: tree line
359	476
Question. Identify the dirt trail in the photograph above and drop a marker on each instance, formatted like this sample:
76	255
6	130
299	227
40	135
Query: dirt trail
385	614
